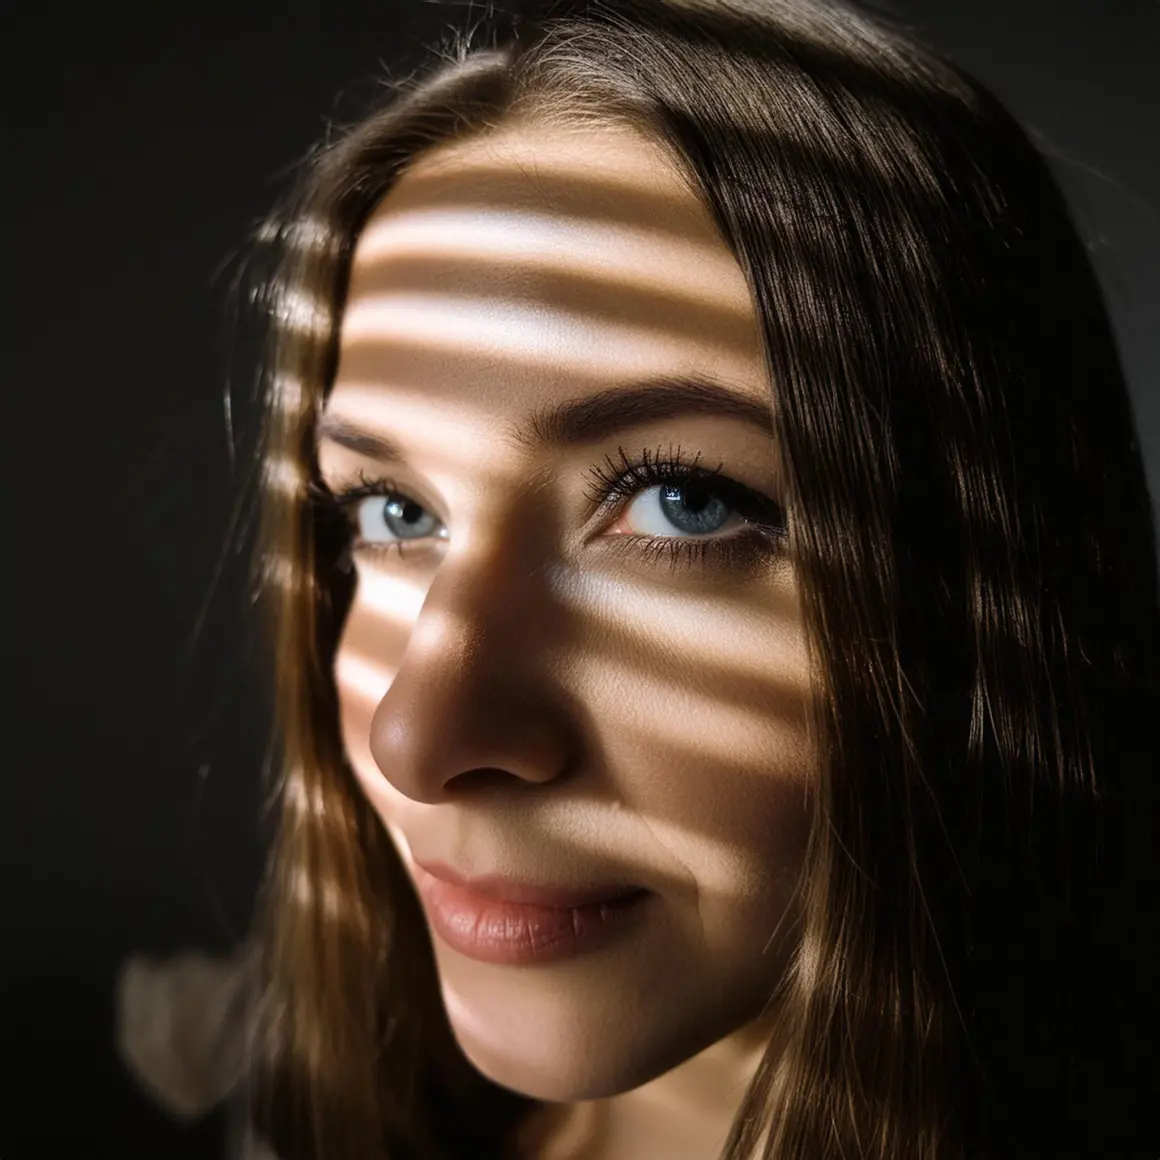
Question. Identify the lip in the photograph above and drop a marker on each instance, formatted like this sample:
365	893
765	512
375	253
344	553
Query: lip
494	920
504	889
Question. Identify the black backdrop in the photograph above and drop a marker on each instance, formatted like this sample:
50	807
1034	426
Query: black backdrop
144	141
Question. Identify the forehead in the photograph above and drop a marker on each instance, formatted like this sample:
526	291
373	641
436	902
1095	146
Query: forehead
532	266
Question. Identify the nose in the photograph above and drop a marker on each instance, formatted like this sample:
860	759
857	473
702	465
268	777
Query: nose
473	699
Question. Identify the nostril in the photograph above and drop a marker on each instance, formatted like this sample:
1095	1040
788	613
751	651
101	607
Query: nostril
484	778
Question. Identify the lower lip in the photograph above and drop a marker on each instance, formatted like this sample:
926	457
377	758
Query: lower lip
514	934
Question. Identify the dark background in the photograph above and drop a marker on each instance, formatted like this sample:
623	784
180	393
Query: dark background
144	142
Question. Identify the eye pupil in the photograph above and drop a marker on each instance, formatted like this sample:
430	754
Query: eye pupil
406	510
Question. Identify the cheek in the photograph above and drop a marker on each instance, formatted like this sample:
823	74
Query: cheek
722	776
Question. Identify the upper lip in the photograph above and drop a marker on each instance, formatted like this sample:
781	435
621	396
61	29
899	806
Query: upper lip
506	889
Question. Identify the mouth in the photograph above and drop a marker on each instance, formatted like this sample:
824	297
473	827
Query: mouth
494	919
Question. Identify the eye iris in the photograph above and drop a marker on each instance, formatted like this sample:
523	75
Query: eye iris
693	508
405	518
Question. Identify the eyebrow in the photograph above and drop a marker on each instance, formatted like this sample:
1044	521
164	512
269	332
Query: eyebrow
590	418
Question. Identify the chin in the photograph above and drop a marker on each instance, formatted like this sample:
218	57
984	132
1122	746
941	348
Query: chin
560	1052
562	1078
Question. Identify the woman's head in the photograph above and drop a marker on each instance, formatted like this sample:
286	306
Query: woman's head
550	674
857	708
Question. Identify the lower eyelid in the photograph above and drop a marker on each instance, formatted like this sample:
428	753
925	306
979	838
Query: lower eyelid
745	550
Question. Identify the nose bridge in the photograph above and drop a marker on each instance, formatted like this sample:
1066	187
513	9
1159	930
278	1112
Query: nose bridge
471	611
493	574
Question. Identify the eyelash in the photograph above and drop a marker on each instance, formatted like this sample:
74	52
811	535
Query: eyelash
613	487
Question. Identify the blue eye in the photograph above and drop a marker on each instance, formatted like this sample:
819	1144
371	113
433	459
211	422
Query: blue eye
389	518
673	495
690	508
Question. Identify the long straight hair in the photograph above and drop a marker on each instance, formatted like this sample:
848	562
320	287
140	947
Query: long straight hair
973	536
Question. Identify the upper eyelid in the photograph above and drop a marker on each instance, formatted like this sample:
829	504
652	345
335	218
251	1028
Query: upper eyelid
347	488
342	487
363	485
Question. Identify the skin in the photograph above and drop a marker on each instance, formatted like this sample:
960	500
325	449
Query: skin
515	698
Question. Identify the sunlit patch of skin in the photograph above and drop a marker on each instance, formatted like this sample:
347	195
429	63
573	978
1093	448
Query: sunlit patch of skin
396	599
756	639
525	337
362	683
514	698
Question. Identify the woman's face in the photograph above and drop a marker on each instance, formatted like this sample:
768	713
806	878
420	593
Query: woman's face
542	682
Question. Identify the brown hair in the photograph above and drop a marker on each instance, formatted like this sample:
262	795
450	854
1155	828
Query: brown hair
974	541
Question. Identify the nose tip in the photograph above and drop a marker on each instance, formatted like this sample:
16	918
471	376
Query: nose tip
433	739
